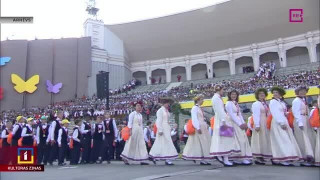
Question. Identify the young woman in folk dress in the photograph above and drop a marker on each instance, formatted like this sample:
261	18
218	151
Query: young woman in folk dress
284	147
135	148
198	144
222	146
240	126
260	140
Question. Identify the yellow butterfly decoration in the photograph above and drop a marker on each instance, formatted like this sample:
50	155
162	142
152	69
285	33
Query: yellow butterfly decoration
22	86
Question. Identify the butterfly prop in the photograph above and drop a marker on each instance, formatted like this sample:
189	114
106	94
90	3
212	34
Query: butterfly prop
22	86
1	93
4	60
53	88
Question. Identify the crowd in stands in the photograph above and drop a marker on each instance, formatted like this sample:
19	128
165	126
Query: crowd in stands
126	87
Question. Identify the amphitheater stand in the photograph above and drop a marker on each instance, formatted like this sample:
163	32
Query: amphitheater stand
173	85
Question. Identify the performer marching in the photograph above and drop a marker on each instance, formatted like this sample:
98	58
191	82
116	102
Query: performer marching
303	132
27	133
86	141
110	134
17	129
198	144
240	127
163	148
97	140
260	140
223	141
135	148
42	141
54	130
284	146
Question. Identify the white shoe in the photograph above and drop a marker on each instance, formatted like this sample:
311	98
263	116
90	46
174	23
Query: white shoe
305	164
227	163
246	162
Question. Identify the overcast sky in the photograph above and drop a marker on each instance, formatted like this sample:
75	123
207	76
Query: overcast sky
65	18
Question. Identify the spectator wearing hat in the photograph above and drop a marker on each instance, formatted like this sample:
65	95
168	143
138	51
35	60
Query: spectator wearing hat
240	126
62	141
163	148
222	146
135	148
27	133
284	146
198	144
303	132
42	137
260	140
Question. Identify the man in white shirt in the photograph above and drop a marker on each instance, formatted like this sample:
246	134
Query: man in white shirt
110	134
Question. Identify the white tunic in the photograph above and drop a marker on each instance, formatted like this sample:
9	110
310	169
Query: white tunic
284	146
198	145
306	138
221	145
163	148
235	115
135	148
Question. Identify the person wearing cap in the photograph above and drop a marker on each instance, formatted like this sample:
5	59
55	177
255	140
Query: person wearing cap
110	134
97	140
86	141
76	136
135	147
27	133
284	146
260	140
198	144
240	127
17	129
163	148
222	146
54	130
62	141
303	132
42	139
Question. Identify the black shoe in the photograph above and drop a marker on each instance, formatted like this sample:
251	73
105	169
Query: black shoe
126	162
227	165
144	163
237	163
61	164
51	164
82	162
108	162
153	160
194	161
204	164
259	163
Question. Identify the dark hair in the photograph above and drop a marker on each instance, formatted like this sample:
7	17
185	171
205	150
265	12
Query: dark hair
314	102
77	121
148	123
260	90
281	91
233	91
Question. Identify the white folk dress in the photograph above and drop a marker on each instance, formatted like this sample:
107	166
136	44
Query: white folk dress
220	145
235	115
163	148
198	145
260	140
284	146
135	148
306	138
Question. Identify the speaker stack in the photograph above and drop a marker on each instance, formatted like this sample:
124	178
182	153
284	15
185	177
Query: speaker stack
103	86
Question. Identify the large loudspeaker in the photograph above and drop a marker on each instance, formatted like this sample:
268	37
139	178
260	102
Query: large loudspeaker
103	86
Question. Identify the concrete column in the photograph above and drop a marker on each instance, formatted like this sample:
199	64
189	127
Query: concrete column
255	57
168	75
209	66
149	73
311	48
188	68
232	63
282	53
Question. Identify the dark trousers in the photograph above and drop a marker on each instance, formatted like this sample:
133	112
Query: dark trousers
6	155
148	148
86	144
43	151
107	148
176	145
119	148
14	142
62	152
75	152
96	149
54	152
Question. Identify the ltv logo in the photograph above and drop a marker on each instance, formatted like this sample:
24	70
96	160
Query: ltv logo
25	156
